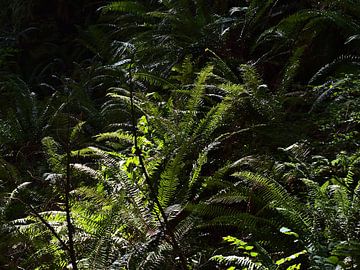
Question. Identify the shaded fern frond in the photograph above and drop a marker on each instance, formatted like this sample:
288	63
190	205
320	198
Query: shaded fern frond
125	6
153	79
52	149
330	68
278	197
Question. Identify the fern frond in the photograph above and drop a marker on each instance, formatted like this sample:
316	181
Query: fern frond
119	135
223	68
194	101
52	149
17	190
229	197
153	79
86	170
125	7
278	197
195	173
329	68
239	261
292	67
250	77
76	130
169	181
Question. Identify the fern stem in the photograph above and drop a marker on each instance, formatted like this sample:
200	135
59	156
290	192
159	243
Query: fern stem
70	227
46	224
164	222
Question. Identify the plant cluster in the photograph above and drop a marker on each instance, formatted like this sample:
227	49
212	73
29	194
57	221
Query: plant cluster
179	134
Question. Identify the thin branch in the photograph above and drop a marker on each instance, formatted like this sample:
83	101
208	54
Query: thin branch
70	227
46	224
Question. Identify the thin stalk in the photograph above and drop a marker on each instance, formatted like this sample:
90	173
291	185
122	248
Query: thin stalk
70	227
164	223
47	225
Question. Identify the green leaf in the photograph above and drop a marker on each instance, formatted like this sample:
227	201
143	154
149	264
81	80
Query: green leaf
237	242
281	261
333	260
254	254
290	258
294	267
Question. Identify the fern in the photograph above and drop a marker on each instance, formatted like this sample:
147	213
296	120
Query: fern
239	261
52	148
125	7
331	67
169	181
194	101
279	198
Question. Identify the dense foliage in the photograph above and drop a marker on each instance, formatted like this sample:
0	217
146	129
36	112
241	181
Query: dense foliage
179	134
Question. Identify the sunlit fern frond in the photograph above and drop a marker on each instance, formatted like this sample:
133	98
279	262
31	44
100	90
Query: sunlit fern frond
47	251
194	101
239	261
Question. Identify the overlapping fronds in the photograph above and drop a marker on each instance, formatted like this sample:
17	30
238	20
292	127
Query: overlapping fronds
276	196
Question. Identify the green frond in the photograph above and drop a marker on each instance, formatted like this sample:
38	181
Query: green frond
55	219
17	190
239	261
76	130
277	196
169	181
212	121
242	221
93	173
220	113
119	135
232	197
310	19
292	67
221	67
250	77
156	260
153	79
52	149
197	167
184	71
194	101
109	157
132	7
184	228
211	210
234	90
331	68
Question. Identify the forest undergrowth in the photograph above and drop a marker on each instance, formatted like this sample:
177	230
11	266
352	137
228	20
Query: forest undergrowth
190	134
